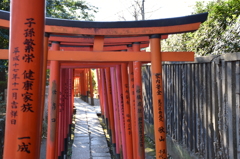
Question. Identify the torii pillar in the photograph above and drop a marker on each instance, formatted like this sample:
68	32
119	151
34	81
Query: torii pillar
53	106
157	95
23	119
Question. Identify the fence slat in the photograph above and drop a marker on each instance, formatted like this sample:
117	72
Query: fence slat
209	111
229	109
202	102
237	92
174	102
197	107
168	101
204	109
180	105
170	106
213	100
184	112
177	103
224	113
188	105
193	103
220	147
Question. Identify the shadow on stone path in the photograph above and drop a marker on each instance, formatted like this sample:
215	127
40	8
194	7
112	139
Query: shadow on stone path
89	139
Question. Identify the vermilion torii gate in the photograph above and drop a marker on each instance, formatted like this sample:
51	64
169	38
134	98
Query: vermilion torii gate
111	47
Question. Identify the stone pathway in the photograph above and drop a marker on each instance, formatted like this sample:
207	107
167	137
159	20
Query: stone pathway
89	139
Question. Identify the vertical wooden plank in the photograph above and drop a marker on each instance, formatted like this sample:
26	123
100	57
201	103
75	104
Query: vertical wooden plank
177	103
237	91
224	113
193	111
234	108
184	132
149	97
173	101
229	109
166	90
188	85
213	102
169	101
180	114
196	76
201	139
209	111
214	97
204	115
170	105
219	109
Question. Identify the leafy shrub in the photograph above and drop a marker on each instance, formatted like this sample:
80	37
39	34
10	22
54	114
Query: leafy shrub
3	86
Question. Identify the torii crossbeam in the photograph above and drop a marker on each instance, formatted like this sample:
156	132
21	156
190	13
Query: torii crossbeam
110	46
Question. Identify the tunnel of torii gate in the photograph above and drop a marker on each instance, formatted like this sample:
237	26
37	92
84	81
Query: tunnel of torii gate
70	49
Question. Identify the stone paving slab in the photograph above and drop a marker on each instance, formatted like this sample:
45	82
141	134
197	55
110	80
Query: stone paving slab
89	139
101	158
101	155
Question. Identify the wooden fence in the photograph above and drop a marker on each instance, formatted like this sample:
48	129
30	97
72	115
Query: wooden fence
201	105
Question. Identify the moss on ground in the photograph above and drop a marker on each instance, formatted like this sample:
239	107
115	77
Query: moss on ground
149	148
149	143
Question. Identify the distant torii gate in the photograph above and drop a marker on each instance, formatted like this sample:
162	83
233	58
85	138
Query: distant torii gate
110	46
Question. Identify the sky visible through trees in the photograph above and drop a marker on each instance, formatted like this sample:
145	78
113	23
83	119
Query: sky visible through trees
115	9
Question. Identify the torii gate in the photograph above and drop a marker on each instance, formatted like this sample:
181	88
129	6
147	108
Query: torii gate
97	45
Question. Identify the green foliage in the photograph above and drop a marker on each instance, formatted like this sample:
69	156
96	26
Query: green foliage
219	34
5	5
4	38
69	9
3	86
3	69
66	9
94	83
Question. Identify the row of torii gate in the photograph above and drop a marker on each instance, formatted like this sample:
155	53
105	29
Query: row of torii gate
113	48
